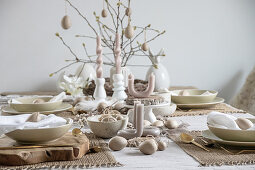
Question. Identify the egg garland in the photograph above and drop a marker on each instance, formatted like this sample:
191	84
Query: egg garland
244	123
117	143
171	123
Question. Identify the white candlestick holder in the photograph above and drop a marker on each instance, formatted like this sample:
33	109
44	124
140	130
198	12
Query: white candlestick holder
100	93
118	88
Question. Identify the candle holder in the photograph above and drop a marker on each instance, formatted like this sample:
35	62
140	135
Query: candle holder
118	88
100	93
138	123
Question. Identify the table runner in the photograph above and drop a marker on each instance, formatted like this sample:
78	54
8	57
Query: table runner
103	158
216	156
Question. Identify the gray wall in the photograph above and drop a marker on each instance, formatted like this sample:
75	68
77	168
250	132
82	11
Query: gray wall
209	43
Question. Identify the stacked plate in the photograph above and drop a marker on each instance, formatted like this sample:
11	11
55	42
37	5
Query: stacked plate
188	99
24	105
245	138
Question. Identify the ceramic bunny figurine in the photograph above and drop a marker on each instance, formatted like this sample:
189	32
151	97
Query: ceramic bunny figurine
159	70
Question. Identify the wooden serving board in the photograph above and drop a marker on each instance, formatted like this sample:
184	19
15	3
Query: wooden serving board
80	146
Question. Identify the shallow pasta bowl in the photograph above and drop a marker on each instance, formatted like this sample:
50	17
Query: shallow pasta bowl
26	104
193	97
234	135
39	135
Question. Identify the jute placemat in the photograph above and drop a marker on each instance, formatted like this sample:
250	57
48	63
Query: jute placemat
222	107
216	156
103	158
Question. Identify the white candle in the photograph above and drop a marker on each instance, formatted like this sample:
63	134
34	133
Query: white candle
99	61
117	53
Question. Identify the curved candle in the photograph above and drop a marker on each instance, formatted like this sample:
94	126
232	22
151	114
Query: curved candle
147	92
117	52
130	133
99	60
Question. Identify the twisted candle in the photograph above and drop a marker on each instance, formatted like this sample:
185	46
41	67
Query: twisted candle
117	52
99	60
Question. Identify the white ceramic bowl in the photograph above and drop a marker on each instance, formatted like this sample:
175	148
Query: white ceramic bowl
234	135
106	129
27	105
165	95
194	97
41	135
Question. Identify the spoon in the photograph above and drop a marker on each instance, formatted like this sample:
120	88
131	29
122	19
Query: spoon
189	139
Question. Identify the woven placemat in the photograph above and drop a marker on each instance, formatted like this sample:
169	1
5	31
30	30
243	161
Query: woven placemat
222	107
103	158
216	156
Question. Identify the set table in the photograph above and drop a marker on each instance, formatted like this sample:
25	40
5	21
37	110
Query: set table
173	157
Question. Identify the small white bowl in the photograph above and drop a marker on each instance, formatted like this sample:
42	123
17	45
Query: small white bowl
234	135
26	104
106	129
40	135
194	97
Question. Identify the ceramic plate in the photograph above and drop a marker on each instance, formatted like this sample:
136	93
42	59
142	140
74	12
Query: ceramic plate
61	108
209	135
217	100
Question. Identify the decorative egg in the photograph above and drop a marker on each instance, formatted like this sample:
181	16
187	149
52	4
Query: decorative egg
148	147
101	106
171	123
66	22
145	47
129	32
34	117
244	123
162	145
184	93
118	106
146	123
38	101
117	143
128	12
104	13
158	123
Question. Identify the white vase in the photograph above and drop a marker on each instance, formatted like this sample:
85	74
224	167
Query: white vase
125	72
162	79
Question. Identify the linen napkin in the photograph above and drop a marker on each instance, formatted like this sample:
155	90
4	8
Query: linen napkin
222	120
11	123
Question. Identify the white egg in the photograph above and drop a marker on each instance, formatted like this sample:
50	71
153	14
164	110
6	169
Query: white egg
148	147
158	123
117	143
184	93
129	31
244	123
171	123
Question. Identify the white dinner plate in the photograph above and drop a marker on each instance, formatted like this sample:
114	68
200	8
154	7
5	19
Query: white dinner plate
209	135
61	108
217	100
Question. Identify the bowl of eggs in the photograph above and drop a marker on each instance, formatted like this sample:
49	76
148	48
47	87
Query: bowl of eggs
107	125
193	96
34	104
245	133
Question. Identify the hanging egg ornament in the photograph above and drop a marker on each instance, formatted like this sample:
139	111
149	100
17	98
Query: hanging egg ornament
104	13
129	32
145	47
66	22
128	12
